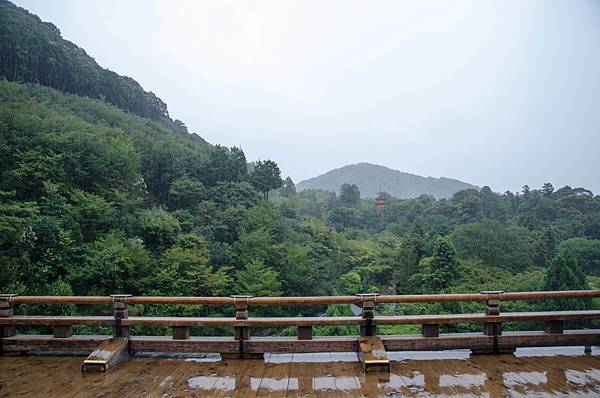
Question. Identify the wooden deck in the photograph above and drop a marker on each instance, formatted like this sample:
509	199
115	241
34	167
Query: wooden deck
530	372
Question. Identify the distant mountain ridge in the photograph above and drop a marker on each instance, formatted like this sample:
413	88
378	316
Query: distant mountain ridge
371	177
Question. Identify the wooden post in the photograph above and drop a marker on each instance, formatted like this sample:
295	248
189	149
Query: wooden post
305	332
430	330
120	307
241	333
7	310
241	313
63	331
553	327
369	300
492	307
181	332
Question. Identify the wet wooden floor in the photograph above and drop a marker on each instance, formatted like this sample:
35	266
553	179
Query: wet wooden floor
534	372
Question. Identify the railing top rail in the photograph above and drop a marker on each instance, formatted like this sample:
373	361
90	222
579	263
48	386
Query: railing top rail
308	300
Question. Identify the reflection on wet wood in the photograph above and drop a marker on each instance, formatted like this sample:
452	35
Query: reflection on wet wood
531	372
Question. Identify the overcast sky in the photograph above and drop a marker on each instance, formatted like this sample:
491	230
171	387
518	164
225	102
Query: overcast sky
500	93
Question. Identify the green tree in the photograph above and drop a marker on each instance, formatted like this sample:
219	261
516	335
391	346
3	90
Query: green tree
545	247
158	228
112	265
298	271
349	194
188	272
350	283
186	193
344	217
441	270
586	253
257	279
14	217
288	188
494	244
266	176
547	189
91	214
564	274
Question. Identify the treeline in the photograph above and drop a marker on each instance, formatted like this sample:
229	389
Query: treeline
33	51
494	237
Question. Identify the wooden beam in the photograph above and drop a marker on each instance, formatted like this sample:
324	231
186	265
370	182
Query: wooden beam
108	355
372	354
293	345
470	341
310	300
58	320
24	343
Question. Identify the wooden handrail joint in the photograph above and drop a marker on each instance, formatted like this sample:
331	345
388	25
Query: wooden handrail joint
492	302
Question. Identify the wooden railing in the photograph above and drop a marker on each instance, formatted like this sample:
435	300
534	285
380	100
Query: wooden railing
490	340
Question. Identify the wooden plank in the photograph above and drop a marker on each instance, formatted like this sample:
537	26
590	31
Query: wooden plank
303	321
344	373
292	345
372	354
108	355
20	343
307	300
193	344
301	371
541	339
443	342
276	377
250	322
151	374
58	320
483	318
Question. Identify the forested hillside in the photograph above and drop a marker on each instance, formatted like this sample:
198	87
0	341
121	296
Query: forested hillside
370	178
33	51
95	200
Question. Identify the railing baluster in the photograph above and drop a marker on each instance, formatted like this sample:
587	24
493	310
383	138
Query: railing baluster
181	332
368	328
492	307
305	332
7	310
430	330
121	312
554	327
241	313
62	331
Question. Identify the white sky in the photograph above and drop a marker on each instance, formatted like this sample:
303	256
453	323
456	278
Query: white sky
500	93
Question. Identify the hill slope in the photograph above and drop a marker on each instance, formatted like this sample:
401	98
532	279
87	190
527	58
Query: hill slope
371	177
33	51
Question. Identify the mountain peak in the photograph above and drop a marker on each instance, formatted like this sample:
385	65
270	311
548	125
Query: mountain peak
370	178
